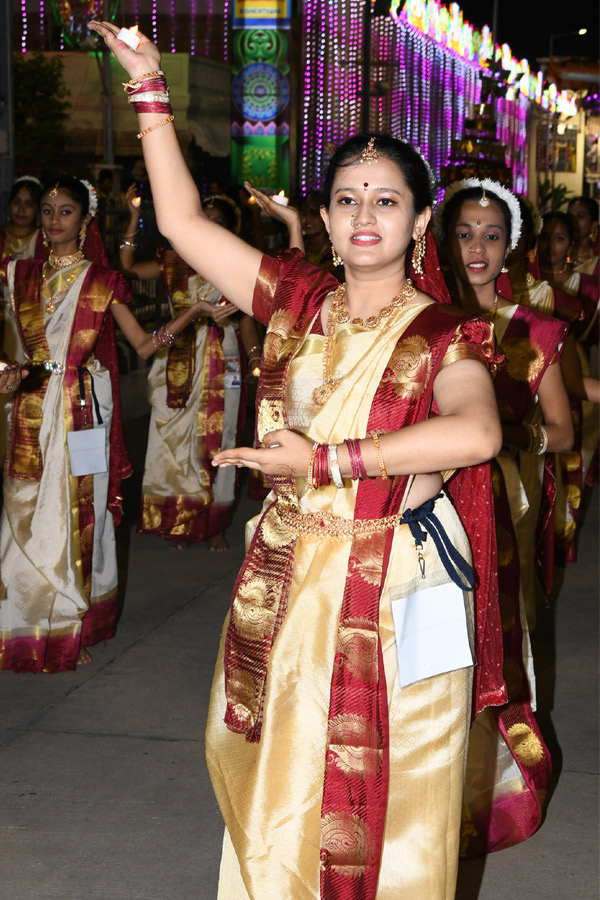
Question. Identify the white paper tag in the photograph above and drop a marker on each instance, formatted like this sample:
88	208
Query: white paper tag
87	451
431	633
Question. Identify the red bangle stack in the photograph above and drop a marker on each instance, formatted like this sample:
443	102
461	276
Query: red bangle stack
356	460
318	467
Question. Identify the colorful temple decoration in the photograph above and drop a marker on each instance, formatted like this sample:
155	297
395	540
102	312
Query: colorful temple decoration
260	127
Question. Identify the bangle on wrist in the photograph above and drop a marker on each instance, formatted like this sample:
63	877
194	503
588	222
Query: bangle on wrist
252	349
382	469
334	465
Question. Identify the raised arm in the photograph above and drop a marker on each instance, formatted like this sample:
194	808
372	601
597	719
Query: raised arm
224	259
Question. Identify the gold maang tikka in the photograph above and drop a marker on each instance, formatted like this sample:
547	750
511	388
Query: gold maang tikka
369	154
54	192
485	200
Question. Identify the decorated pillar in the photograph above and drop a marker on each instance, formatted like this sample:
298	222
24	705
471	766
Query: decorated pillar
260	122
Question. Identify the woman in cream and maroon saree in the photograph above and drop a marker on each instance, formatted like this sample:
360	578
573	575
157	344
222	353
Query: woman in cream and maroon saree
196	390
66	456
337	736
509	766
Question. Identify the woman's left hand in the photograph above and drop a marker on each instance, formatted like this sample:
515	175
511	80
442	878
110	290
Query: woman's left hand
283	453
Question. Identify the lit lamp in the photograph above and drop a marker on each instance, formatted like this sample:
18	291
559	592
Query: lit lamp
130	37
581	31
280	198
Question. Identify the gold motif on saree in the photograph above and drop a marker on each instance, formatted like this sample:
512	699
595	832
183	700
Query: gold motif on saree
409	367
96	300
513	675
274	532
357	645
354	746
241	693
84	338
524	358
570	461
506	548
573	493
366	562
280	325
525	744
255	608
214	424
178	373
347	845
86	537
31	407
270	417
151	515
181	301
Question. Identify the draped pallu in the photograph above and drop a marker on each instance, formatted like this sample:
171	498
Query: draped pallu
509	765
194	415
58	569
314	768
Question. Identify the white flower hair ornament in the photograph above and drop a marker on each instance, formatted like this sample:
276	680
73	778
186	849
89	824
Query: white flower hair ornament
496	189
93	207
23	179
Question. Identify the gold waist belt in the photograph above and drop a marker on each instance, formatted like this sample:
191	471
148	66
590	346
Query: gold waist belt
324	523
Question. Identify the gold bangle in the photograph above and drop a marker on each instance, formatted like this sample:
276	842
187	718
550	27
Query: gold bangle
382	468
157	125
133	81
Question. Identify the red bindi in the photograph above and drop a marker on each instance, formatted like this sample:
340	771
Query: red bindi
365	185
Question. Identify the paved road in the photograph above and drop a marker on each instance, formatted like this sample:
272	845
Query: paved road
104	789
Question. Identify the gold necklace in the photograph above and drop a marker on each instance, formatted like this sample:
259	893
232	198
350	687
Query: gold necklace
62	262
54	298
339	315
491	313
529	279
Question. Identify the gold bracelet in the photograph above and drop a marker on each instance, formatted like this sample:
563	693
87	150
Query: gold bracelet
157	125
382	468
134	81
310	477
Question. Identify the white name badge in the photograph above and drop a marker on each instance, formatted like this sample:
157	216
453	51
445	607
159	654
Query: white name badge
233	372
87	451
431	633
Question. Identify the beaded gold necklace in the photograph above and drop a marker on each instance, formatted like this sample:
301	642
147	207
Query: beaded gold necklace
339	315
55	298
62	262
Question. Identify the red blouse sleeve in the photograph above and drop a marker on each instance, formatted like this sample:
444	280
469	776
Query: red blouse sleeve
289	281
473	339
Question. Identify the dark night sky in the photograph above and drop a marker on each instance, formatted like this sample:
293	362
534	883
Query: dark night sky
527	24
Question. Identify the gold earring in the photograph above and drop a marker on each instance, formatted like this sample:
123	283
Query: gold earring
44	238
82	234
531	255
504	270
337	259
418	254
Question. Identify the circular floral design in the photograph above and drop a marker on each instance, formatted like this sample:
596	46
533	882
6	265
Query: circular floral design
260	92
410	366
524	358
346	843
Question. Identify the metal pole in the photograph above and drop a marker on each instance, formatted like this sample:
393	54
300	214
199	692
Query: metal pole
366	67
7	136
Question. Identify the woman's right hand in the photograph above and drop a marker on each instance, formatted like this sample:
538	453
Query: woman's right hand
135	62
286	214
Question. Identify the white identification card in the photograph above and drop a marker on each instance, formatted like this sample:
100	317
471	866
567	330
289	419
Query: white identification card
87	451
431	633
233	372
